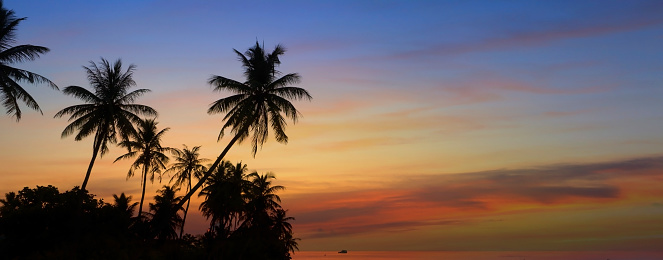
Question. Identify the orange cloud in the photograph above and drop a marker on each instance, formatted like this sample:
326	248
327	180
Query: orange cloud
414	202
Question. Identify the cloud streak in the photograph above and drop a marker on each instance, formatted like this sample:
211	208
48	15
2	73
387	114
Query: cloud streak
462	198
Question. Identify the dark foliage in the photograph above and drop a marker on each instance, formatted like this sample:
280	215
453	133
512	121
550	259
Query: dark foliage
44	223
11	92
247	221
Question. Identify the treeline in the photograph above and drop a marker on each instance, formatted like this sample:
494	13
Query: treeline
246	222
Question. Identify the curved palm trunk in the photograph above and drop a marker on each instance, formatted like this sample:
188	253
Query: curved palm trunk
211	168
142	197
185	210
95	151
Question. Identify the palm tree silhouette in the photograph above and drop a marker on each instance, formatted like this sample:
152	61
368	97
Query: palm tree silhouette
259	102
164	218
283	230
151	157
224	194
123	204
108	112
280	222
262	195
188	166
10	91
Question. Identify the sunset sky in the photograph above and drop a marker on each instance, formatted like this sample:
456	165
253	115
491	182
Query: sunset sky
434	125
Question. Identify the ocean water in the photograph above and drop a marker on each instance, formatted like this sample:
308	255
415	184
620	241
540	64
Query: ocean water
448	255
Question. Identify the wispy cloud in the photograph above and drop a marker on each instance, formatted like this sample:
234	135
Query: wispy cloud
538	36
451	199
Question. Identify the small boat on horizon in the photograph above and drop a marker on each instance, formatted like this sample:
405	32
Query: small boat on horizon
343	251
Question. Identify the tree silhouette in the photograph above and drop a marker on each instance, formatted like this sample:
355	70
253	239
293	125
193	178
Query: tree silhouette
108	112
164	218
150	155
225	193
262	198
247	220
283	230
10	91
259	102
188	165
123	204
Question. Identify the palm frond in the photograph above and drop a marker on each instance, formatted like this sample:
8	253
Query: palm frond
132	96
22	53
82	94
11	93
221	83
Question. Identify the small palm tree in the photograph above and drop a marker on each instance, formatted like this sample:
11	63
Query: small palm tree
262	198
164	218
188	166
150	155
123	204
11	93
224	198
259	103
281	224
283	230
109	111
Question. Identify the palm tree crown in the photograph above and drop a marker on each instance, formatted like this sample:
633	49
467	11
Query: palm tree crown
164	218
225	195
259	101
188	166
108	111
150	155
10	91
258	105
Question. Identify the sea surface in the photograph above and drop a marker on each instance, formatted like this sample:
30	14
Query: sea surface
450	255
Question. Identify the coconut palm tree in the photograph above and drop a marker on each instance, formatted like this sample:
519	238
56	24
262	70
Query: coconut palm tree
224	194
11	93
150	155
188	166
164	218
280	222
262	198
259	103
283	230
108	112
123	204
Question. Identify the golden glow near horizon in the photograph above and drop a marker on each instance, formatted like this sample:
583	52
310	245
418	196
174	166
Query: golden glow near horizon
448	129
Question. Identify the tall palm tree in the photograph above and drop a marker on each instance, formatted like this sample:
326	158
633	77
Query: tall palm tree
10	91
108	111
188	166
164	218
150	155
259	103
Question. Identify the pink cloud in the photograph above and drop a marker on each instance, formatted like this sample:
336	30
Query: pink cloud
464	198
534	38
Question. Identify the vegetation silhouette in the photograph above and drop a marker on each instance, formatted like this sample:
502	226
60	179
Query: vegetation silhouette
247	220
10	91
188	165
108	112
258	105
145	145
164	219
42	223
